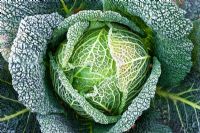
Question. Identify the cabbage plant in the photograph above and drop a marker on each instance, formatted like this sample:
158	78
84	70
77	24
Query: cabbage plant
97	69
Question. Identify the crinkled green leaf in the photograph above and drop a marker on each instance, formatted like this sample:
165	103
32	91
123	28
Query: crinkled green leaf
14	117
140	103
73	35
164	17
150	122
12	12
180	106
80	56
26	63
175	57
54	123
74	99
195	37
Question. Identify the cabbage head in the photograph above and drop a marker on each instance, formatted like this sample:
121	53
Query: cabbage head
99	66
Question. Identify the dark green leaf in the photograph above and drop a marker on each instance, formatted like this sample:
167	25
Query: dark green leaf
180	106
175	58
14	117
195	37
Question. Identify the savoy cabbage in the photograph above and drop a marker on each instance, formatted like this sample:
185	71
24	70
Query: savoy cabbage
99	66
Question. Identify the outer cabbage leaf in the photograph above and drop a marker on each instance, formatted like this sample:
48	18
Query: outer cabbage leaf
168	21
12	12
14	117
67	122
180	106
195	37
140	103
54	124
175	57
164	17
26	63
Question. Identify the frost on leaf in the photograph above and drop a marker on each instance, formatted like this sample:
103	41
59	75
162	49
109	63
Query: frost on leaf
12	12
162	16
54	124
26	62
